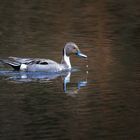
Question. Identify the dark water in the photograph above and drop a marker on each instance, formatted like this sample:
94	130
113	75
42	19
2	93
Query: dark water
100	101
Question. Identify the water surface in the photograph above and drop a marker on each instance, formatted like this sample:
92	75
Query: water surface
101	101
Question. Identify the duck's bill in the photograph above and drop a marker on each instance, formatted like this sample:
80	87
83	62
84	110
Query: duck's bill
81	55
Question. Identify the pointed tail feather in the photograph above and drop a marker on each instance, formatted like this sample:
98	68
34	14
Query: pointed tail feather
14	65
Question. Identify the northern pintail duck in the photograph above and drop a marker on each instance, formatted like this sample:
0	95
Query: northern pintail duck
47	65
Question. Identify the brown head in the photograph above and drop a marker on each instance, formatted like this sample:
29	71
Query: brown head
71	48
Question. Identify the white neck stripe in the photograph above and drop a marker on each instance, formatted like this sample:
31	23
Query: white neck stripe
67	61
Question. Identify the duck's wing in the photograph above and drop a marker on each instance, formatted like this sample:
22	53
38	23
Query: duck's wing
42	61
21	60
33	61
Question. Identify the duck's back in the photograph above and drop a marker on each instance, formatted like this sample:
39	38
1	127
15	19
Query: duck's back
33	60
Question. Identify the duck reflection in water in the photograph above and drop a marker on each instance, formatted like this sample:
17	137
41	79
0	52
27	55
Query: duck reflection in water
73	88
70	88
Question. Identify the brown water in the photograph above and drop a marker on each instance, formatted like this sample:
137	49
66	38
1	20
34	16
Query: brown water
100	101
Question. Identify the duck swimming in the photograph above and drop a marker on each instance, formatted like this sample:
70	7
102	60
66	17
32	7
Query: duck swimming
46	65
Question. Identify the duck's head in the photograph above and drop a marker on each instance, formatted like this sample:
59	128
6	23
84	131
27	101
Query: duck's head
71	48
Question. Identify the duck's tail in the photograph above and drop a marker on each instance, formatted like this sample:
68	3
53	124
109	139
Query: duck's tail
14	65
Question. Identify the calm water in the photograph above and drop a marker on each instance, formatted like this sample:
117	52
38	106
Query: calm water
100	98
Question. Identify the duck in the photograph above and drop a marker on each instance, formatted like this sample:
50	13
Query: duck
45	65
